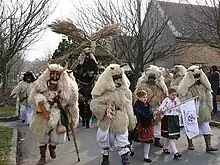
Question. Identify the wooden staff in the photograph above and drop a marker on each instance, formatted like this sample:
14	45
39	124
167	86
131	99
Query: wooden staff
73	129
193	98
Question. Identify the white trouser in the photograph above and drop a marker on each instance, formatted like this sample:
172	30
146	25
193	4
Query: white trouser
107	139
205	129
157	130
53	138
26	112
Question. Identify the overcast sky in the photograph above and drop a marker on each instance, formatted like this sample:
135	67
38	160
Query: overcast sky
50	40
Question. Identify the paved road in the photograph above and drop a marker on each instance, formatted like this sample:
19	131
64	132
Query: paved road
90	154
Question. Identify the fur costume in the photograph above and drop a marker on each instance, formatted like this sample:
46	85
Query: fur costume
68	99
156	93
22	93
152	81
188	89
105	92
179	72
168	77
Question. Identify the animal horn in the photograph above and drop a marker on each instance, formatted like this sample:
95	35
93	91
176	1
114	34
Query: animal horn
122	65
65	67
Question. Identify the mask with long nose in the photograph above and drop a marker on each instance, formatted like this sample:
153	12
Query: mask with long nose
55	75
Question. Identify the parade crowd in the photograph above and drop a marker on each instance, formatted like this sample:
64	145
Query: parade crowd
53	103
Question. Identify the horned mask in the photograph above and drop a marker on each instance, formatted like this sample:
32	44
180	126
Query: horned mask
193	76
55	74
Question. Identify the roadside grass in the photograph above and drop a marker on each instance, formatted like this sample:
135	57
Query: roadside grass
5	144
7	111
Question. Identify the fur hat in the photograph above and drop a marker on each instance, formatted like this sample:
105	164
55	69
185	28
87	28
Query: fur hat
189	80
57	67
179	70
153	69
105	81
29	74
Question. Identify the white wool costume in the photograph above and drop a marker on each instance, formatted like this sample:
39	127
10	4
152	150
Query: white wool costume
168	77
46	130
156	93
188	89
179	72
22	92
113	131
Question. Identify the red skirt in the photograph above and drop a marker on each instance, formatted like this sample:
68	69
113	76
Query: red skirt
146	132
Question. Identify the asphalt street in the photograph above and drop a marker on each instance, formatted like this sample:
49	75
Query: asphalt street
90	152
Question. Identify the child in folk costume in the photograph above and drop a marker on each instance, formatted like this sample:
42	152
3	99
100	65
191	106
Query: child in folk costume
170	128
145	125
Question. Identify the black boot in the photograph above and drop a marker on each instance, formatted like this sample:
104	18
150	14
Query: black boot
105	160
125	159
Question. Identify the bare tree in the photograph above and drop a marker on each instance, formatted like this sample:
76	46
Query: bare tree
204	20
137	45
21	22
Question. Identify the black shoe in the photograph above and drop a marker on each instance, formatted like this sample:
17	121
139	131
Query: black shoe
148	160
87	126
177	155
166	151
23	121
132	153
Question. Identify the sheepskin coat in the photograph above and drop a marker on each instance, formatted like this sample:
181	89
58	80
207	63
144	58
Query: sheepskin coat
68	98
105	93
188	89
22	91
168	77
157	92
179	73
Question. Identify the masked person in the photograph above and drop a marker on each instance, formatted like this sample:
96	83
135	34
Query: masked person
153	83
196	84
86	74
179	72
22	91
112	105
55	98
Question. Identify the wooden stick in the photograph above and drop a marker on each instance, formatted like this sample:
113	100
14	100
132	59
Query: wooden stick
193	98
73	129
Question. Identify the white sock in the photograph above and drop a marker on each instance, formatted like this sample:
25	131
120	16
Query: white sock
173	146
132	148
146	150
165	143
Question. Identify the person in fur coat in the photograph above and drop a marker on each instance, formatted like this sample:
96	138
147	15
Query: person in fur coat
112	105
195	83
22	92
179	72
55	99
153	83
168	77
